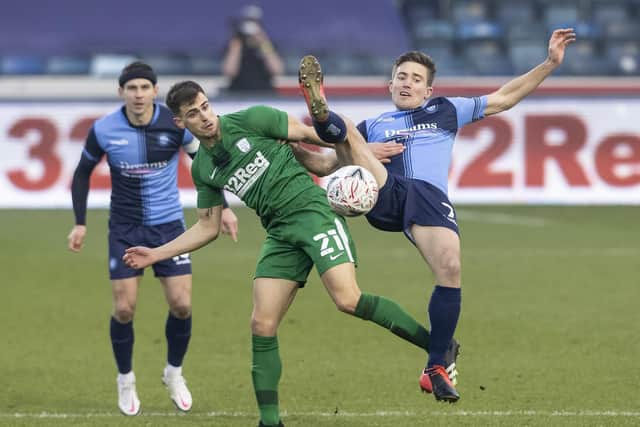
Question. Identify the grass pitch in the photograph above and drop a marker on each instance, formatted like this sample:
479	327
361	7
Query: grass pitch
549	328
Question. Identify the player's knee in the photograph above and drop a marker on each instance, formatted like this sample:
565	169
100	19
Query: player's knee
181	310
346	304
450	266
264	326
124	313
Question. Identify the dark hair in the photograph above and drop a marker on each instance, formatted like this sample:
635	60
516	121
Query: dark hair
137	70
420	58
182	93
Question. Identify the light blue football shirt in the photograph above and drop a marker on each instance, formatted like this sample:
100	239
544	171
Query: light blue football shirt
428	133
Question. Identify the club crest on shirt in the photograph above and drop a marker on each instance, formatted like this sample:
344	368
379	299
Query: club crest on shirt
243	145
163	140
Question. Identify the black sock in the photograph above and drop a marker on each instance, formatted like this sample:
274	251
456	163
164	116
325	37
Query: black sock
333	130
178	333
122	344
444	310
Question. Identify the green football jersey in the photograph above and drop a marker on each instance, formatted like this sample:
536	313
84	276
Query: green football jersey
251	163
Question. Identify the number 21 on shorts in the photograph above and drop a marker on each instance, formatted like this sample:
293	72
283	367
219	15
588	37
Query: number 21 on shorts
330	242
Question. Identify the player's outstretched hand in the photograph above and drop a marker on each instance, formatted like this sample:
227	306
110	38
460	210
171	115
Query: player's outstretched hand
385	150
229	222
138	257
558	42
76	238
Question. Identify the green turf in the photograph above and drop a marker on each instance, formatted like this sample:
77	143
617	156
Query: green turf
549	328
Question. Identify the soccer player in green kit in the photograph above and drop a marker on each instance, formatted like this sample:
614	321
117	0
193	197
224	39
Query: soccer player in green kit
241	152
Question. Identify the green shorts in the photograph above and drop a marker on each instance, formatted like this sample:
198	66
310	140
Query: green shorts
311	235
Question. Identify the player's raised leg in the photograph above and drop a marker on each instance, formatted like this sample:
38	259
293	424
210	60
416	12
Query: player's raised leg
333	128
311	79
354	151
341	284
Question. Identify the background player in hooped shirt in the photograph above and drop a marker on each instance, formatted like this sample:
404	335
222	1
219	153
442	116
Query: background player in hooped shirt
142	146
413	198
241	153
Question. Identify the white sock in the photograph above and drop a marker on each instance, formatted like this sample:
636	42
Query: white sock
173	370
129	376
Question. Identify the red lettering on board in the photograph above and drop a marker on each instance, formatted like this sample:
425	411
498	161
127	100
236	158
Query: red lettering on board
539	149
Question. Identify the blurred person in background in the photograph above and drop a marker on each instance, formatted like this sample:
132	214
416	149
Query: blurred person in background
142	146
250	61
413	197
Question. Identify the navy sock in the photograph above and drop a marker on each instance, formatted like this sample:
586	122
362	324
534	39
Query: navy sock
178	333
122	344
444	310
333	130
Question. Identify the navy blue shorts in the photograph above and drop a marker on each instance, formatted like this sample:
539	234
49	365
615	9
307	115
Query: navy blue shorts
123	236
403	202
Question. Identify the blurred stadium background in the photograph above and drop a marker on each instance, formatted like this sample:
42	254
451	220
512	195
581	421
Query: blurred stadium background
548	323
466	37
575	140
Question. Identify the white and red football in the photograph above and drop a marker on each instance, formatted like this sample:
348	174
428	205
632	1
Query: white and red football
352	191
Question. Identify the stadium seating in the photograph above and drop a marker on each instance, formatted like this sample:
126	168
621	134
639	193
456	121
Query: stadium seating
469	10
109	65
22	65
516	12
558	14
526	54
201	65
584	61
168	64
432	30
486	58
624	57
495	37
465	37
68	65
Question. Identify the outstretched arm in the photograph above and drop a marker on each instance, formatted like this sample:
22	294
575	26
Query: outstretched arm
325	163
201	233
318	163
298	131
517	89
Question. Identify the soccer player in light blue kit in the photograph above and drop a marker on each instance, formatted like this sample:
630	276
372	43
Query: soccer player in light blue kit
413	196
142	146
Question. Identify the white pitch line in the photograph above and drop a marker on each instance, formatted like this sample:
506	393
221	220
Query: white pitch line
397	414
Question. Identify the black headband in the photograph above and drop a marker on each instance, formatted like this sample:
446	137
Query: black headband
138	73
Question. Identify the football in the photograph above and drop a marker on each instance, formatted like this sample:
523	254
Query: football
352	191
